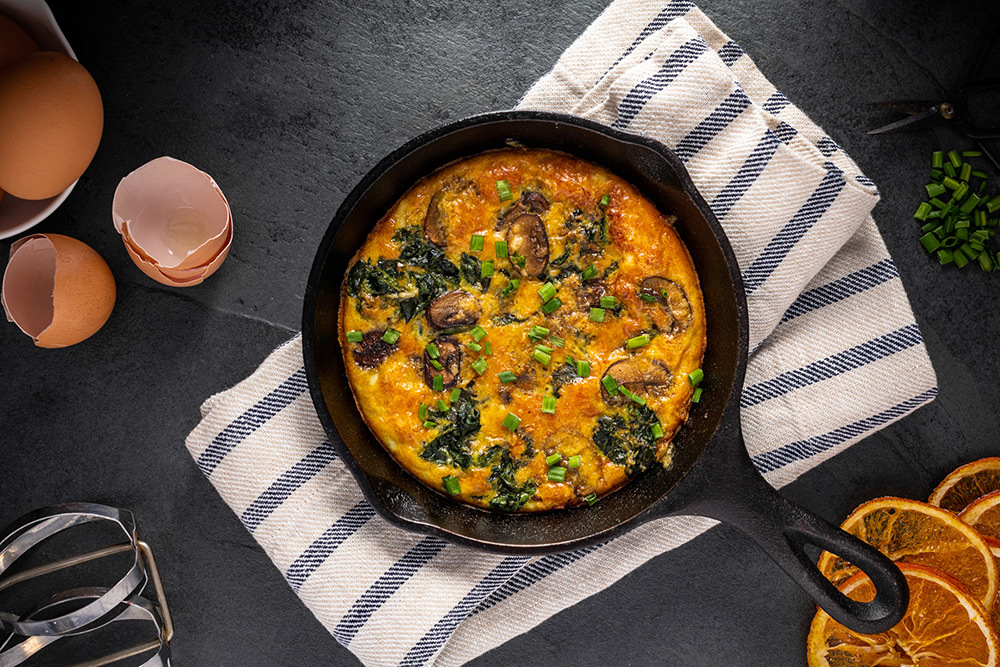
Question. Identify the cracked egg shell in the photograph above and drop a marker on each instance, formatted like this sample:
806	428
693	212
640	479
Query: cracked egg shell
56	289
174	220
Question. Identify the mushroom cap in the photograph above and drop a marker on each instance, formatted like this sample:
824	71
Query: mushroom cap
454	309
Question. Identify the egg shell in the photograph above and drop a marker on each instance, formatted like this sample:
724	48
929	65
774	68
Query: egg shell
51	120
146	199
175	277
15	43
57	290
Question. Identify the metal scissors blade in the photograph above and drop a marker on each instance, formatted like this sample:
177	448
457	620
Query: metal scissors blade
929	117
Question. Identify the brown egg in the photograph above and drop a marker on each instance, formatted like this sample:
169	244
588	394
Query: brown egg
15	43
56	289
51	119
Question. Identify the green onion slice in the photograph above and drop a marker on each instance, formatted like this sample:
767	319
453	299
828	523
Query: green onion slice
507	376
589	272
695	377
477	242
610	384
557	474
696	396
478	333
549	405
511	421
438	383
451	485
605	200
479	365
591	498
432	351
553	459
486	269
541	357
547	291
456	394
390	336
503	189
596	314
355	336
573	462
583	369
637	341
551	305
608	302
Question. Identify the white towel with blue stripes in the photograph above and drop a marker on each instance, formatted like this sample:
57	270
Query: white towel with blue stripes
828	315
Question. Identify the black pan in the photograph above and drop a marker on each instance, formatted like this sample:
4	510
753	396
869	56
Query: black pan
711	475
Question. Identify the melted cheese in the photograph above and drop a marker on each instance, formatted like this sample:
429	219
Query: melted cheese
640	242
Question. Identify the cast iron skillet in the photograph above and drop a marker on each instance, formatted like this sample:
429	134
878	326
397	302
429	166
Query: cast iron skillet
712	474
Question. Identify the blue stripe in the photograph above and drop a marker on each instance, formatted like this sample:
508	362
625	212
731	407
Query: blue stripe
864	180
778	247
785	132
248	422
827	146
289	481
667	14
385	587
720	118
532	574
775	103
321	549
435	638
751	169
805	449
730	53
842	288
677	62
837	364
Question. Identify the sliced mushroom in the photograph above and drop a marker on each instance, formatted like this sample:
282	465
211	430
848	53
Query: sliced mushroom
588	295
372	350
436	218
454	309
530	202
671	295
640	376
526	380
527	237
450	358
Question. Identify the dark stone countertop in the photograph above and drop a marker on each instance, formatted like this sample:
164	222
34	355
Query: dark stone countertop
287	105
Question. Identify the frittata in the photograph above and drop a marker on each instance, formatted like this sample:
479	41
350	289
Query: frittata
523	331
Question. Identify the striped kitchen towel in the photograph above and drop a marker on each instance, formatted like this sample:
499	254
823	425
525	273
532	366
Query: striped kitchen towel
828	314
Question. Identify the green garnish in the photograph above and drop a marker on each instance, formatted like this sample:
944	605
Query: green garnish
486	269
488	348
422	412
538	333
549	405
596	314
547	291
610	384
451	485
503	189
648	297
557	341
390	336
500	247
605	200
479	365
474	346
442	406
438	383
542	357
510	287
696	396
956	161
637	341
657	430
591	498
573	462
437	364
507	376
589	272
937	159
478	333
477	242
553	459
456	394
429	424
355	336
608	302
511	421
557	474
432	351
544	348
583	369
695	377
551	305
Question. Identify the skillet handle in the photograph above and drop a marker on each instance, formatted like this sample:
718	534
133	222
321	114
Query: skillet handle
732	491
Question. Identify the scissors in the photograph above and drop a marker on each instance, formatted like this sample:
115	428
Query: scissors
953	111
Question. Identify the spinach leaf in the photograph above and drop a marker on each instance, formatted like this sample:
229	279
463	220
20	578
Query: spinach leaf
471	269
451	447
418	252
510	496
377	279
628	440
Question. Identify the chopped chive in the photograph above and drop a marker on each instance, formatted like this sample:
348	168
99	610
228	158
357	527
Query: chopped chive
993	204
637	341
971	154
551	305
437	364
985	263
547	291
573	462
549	405
937	159
931	226
608	302
949	170
937	203
605	200
442	406
589	272
474	346
429	424
477	242
966	172
961	192
432	351
544	348
969	251
981	189
583	369
488	349
956	161
979	174
520	260
438	383
541	357
934	189
922	211
390	336
486	269
537	332
355	336
648	297
945	256
638	399
590	498
511	421
507	376
657	430
456	394
696	396
960	259
695	377
937	175
503	189
501	249
970	204
553	459
451	485
951	183
625	391
610	384
510	287
422	412
478	333
930	242
596	314
557	341
557	474
479	365
963	224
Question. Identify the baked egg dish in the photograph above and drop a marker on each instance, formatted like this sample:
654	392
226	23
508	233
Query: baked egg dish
523	331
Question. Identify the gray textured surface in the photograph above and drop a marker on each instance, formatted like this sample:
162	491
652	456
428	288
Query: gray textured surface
287	104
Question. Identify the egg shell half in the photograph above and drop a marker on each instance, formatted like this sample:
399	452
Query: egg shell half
51	120
15	43
57	290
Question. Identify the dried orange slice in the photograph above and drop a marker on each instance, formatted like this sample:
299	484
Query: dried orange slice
983	514
944	625
914	532
963	485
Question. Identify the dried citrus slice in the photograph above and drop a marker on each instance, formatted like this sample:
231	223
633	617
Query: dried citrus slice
914	532
965	484
944	625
